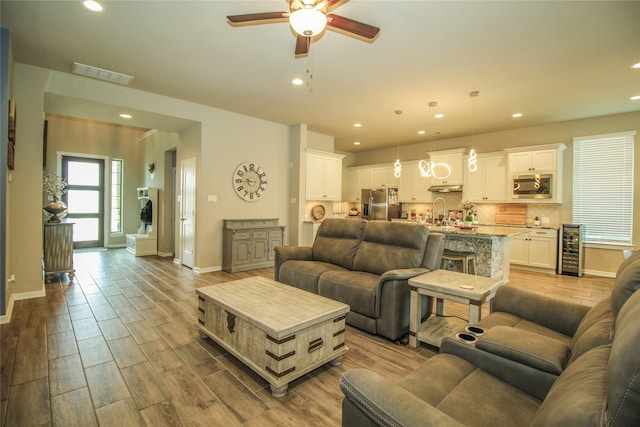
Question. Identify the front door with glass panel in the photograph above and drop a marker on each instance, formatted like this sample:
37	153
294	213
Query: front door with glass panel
85	199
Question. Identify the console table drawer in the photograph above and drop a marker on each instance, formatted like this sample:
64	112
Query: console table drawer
259	234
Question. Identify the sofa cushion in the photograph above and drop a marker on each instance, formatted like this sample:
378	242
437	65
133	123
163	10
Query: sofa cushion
358	289
500	318
456	387
595	329
577	396
337	241
623	374
391	245
626	284
532	349
305	274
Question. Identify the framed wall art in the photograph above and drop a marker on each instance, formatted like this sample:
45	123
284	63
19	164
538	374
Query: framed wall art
11	137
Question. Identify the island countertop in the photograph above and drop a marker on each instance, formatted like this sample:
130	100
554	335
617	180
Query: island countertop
480	231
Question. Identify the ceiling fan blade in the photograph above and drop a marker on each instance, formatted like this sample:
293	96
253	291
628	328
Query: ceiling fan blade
332	5
351	26
253	18
302	46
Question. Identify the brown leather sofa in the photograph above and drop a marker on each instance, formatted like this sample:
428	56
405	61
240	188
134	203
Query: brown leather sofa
365	264
541	362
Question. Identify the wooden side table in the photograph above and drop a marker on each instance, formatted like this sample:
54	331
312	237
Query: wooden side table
446	285
58	249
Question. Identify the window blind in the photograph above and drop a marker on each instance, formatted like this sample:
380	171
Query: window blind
603	187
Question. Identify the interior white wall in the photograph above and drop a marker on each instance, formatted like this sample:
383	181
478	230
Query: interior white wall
221	140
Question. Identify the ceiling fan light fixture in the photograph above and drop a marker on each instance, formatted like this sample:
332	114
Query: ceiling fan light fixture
308	22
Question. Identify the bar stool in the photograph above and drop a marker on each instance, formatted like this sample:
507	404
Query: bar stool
466	258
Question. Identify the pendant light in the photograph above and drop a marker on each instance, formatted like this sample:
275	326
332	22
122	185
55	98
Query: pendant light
427	167
472	162
397	166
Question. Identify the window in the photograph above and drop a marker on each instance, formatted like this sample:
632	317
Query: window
603	187
116	196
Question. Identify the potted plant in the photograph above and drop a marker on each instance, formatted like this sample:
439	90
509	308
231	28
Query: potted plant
468	207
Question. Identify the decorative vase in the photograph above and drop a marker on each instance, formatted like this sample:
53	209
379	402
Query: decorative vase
55	210
468	223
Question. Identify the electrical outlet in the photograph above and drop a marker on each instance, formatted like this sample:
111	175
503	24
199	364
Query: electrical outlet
11	278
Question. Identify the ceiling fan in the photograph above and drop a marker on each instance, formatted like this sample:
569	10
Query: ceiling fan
308	18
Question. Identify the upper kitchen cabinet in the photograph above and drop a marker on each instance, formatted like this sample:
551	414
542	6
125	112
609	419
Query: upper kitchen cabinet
543	158
358	178
383	177
454	160
412	186
324	176
535	173
488	184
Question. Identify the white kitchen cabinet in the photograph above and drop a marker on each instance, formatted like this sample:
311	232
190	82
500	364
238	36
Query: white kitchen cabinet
383	177
358	178
537	248
455	160
489	183
413	187
533	161
324	176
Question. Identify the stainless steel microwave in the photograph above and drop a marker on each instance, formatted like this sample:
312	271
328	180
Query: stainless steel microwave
537	186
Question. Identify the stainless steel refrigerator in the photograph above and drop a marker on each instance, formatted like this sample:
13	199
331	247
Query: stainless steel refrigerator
380	204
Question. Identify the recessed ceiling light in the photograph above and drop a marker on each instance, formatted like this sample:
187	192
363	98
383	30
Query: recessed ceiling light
516	115
297	81
439	116
421	132
636	65
635	98
92	5
126	116
357	125
356	143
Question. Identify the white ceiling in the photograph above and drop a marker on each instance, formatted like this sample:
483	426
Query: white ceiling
550	60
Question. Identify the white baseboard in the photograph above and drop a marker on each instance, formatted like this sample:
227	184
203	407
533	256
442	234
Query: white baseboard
177	261
20	296
165	254
598	273
207	269
6	318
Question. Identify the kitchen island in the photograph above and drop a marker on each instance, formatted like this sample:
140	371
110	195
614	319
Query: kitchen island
490	243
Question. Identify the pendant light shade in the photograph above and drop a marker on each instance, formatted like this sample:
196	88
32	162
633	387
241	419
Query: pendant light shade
308	22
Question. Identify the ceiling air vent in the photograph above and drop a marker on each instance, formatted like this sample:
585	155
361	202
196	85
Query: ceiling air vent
101	74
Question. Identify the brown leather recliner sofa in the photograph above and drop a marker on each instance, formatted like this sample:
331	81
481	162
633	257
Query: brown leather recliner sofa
541	362
365	264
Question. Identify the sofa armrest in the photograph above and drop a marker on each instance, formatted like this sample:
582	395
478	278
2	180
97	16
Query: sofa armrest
401	274
530	380
386	403
522	346
558	315
285	253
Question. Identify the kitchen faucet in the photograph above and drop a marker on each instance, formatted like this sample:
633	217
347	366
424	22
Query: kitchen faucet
444	210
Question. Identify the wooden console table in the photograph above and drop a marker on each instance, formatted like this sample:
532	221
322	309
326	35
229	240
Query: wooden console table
248	244
58	249
447	285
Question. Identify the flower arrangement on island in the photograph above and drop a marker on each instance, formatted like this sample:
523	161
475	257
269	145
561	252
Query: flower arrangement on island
468	207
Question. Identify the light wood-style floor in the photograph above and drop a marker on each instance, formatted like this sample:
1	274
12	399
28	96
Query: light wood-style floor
119	346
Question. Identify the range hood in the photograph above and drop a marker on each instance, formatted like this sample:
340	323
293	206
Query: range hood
445	188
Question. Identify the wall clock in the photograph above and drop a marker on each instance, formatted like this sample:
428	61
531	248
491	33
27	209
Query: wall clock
249	181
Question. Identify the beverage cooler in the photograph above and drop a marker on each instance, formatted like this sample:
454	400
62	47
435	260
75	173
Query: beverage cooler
571	251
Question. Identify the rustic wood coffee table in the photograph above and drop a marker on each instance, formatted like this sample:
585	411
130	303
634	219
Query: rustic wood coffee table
279	331
446	285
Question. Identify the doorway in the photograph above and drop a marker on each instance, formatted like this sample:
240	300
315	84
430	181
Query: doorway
85	199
